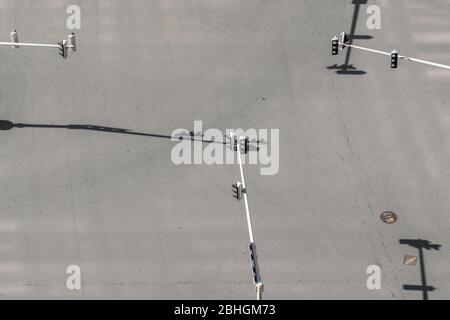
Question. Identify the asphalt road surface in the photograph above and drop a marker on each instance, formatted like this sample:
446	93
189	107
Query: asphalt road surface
356	139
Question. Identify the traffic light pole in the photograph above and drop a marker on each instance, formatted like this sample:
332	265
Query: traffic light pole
438	65
247	211
254	259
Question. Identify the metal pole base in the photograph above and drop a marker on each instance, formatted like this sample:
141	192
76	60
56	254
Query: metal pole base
259	290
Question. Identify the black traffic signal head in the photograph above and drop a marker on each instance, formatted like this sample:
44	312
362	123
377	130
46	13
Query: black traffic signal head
63	48
237	190
245	145
334	46
394	59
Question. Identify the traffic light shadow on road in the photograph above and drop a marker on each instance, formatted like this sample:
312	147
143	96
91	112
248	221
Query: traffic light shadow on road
346	68
421	245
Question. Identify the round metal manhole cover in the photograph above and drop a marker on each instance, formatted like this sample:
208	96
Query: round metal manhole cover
388	217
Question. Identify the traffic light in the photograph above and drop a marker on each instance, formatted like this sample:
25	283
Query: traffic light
71	42
63	48
235	143
245	145
343	40
238	190
334	46
14	38
394	59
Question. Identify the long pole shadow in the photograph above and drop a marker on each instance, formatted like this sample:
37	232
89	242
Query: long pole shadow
420	245
8	125
188	135
348	68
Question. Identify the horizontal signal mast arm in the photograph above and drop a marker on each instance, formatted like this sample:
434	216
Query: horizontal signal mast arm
29	44
434	64
42	45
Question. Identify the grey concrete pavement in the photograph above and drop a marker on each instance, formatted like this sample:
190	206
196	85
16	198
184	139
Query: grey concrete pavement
351	147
